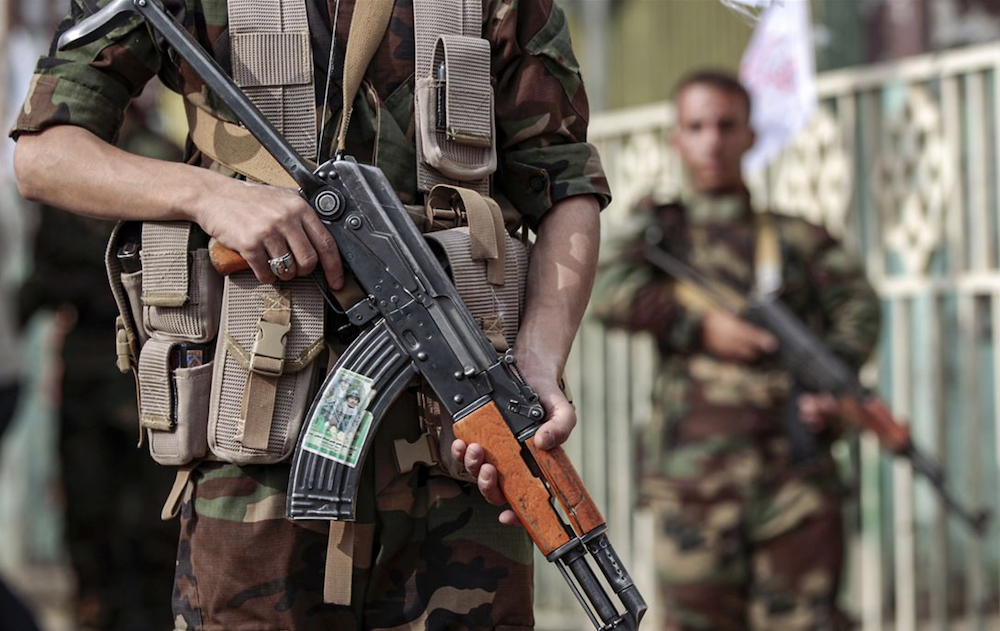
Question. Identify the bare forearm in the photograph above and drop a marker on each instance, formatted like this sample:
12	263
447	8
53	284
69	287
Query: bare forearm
71	168
560	279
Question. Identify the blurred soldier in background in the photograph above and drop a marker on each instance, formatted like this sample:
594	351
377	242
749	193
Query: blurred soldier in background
122	553
749	534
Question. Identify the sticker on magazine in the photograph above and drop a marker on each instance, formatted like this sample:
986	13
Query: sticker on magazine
341	421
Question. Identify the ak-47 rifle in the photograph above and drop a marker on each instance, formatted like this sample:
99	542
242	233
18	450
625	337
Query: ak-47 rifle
415	323
818	370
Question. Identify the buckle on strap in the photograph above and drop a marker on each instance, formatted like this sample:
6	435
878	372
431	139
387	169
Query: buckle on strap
268	355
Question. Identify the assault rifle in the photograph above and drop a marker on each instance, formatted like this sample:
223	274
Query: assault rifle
414	323
817	370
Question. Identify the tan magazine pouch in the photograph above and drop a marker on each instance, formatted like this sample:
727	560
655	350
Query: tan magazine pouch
265	368
453	110
169	312
453	98
173	404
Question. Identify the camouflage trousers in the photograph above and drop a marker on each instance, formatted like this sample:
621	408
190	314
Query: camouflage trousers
429	552
766	558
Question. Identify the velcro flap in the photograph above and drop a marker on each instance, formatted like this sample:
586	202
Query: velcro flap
468	94
155	391
271	59
165	263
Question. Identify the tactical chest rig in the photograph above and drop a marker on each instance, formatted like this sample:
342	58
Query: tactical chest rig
246	405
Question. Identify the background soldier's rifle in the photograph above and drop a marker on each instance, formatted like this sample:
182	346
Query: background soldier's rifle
817	369
415	323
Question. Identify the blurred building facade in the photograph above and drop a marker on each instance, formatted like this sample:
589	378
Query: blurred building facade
633	51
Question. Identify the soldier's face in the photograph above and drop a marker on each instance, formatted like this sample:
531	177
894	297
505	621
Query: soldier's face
713	133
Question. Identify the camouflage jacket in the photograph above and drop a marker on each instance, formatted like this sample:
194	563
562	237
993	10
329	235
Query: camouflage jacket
709	407
541	106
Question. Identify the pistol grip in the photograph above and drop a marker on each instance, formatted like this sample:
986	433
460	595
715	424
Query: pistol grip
224	260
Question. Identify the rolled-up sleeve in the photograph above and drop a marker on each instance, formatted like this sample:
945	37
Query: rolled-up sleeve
89	86
541	110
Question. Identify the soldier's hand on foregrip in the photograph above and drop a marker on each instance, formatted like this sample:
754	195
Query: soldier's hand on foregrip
527	494
873	415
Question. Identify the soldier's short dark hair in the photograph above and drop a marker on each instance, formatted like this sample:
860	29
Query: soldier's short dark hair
718	79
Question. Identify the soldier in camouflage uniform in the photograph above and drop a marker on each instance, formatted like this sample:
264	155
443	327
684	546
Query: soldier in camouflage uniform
429	551
748	537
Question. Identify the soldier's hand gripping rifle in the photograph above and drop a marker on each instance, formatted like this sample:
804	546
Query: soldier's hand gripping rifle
416	324
817	369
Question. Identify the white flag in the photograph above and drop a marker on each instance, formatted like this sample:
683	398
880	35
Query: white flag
779	70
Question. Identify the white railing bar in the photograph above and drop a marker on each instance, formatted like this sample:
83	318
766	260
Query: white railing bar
903	286
631	121
911	70
996	391
902	474
939	556
954	217
978	182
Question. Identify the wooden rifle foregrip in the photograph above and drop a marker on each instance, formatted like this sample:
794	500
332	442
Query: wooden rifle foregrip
872	414
224	260
526	493
568	487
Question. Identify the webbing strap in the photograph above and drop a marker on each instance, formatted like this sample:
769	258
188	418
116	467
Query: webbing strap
155	390
165	266
496	309
338	576
486	225
368	24
767	256
267	364
433	18
469	99
272	64
179	492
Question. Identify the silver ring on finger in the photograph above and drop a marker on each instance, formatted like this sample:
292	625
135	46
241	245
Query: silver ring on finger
281	264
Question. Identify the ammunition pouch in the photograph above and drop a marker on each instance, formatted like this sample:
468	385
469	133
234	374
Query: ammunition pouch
266	371
169	313
454	115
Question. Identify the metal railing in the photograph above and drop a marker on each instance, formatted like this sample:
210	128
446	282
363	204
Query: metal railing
902	161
